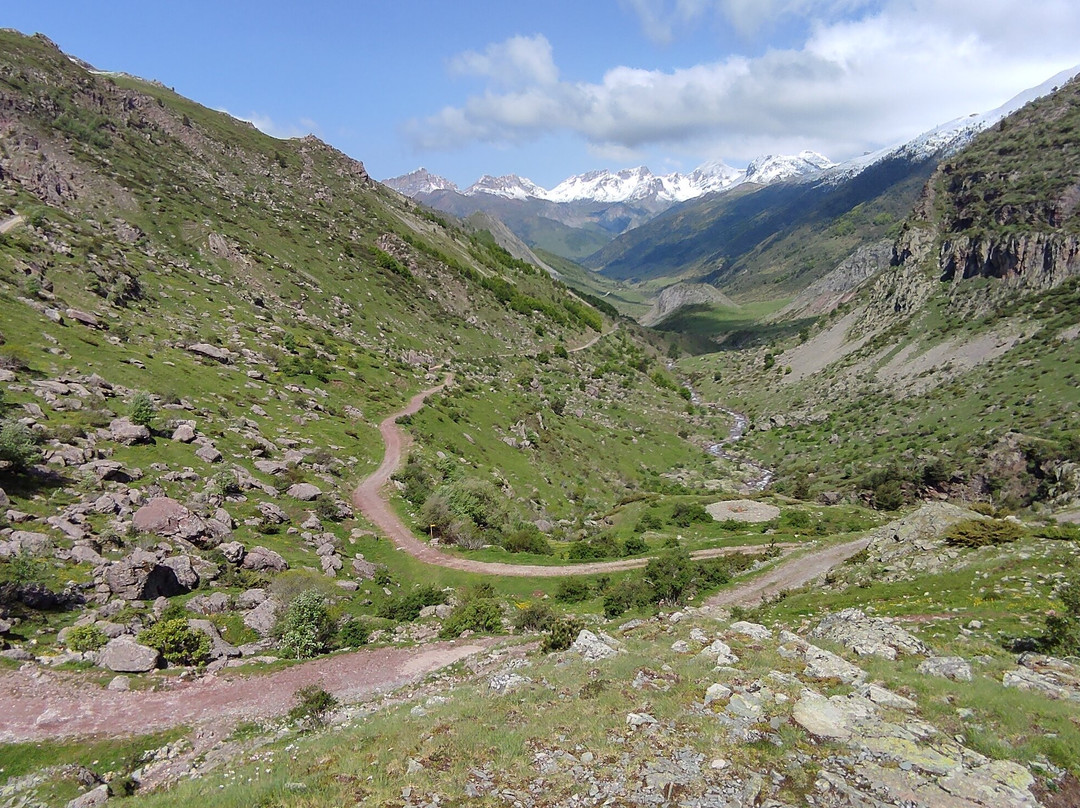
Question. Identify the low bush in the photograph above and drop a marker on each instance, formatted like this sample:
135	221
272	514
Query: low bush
1062	633
635	545
685	514
982	532
177	642
534	617
353	633
86	638
313	706
527	540
406	607
561	634
629	593
482	615
573	590
18	446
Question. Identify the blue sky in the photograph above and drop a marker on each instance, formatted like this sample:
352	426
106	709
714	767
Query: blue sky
548	88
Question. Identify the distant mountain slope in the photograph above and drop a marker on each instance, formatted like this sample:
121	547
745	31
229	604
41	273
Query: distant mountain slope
788	234
584	212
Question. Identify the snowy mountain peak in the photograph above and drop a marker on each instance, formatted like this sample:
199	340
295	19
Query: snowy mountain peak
509	186
772	168
420	181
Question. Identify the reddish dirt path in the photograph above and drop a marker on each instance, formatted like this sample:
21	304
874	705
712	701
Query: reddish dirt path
369	500
787	575
39	704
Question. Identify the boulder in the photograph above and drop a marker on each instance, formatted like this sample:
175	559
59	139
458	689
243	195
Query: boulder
124	431
4	500
165	516
250	598
305	492
272	513
185	433
140	576
99	795
591	647
84	317
261	558
223	355
209	604
364	570
125	655
271	466
185	573
233	551
208	454
262	618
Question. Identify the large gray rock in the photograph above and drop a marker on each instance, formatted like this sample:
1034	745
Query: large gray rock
140	576
184	433
914	542
25	542
955	668
868	636
261	558
592	647
125	655
233	551
93	798
123	431
262	618
185	572
1050	677
222	355
161	515
208	454
305	492
272	513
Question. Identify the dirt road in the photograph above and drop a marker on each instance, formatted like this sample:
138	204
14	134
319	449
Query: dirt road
39	703
370	501
787	575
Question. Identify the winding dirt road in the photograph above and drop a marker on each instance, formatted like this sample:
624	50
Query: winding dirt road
787	575
369	500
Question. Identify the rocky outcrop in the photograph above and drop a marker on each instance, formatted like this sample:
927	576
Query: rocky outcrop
839	286
681	295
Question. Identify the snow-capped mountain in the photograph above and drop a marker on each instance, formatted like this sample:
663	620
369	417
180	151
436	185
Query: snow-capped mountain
419	182
770	168
628	185
509	186
947	139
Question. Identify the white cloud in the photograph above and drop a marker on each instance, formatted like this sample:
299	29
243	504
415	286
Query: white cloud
852	85
519	61
268	126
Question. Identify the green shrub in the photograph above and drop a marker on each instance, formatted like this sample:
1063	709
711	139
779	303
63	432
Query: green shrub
534	617
177	642
629	593
527	539
313	706
406	606
796	519
889	496
18	445
982	532
483	615
326	509
685	514
143	410
597	548
1062	633
86	638
353	633
650	520
573	590
561	634
670	576
305	628
634	546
